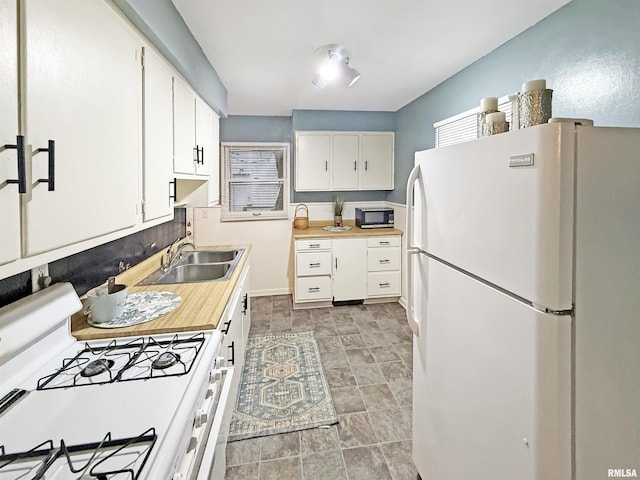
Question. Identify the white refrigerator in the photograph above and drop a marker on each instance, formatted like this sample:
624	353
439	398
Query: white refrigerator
523	271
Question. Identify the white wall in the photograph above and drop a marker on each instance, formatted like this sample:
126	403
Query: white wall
271	240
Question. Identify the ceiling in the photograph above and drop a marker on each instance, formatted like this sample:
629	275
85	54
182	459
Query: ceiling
265	51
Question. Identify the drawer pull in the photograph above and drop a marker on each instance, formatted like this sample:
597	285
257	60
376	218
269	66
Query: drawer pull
386	260
314	265
384	285
51	176
226	327
314	245
384	242
314	289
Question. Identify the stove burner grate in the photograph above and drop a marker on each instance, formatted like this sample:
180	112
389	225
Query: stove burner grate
96	367
165	360
103	462
120	361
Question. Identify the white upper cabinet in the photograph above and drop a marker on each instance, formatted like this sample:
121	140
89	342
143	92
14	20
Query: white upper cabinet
193	132
157	167
313	153
376	161
83	92
214	178
328	161
9	196
184	123
345	160
204	137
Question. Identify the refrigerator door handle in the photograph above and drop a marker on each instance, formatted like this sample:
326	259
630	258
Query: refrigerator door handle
411	250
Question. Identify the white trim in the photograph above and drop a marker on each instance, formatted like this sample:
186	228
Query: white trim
270	292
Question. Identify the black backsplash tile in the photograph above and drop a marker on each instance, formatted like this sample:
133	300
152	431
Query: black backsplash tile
15	288
92	267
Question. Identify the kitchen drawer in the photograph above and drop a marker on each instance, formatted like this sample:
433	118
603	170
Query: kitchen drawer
383	284
389	241
313	263
383	259
324	244
309	289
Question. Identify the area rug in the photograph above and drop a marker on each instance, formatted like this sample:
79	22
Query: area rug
283	387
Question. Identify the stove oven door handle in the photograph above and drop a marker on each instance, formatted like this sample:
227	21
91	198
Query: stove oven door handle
210	466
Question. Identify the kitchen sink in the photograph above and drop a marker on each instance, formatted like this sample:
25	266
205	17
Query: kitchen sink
195	273
197	266
208	256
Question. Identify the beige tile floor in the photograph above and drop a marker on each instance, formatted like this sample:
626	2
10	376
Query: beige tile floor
366	354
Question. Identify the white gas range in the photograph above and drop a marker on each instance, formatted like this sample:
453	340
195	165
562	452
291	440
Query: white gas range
148	408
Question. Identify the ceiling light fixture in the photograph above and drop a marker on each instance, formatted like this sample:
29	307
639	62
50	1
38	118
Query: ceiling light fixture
334	65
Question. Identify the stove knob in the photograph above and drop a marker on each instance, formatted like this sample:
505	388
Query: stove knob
201	418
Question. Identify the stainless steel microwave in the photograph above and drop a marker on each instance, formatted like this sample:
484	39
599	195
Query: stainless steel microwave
374	217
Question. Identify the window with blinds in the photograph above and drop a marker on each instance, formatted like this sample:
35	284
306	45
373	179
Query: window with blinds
463	127
255	184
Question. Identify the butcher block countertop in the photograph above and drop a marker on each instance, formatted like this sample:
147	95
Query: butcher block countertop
315	230
201	308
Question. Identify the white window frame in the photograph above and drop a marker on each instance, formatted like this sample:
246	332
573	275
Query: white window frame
463	126
251	215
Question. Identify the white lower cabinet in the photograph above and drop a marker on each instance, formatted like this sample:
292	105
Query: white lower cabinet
235	324
383	266
343	269
349	269
313	289
313	270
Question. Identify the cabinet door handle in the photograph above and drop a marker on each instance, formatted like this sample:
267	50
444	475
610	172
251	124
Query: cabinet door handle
51	178
385	261
173	196
21	181
384	285
196	155
314	265
366	165
314	289
355	166
232	360
326	166
201	155
336	263
245	303
226	327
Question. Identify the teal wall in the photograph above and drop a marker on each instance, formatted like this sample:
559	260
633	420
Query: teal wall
160	22
588	51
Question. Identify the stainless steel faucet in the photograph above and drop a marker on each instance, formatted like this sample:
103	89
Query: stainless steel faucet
174	256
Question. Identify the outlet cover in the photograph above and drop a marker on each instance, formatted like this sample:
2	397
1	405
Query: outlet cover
37	273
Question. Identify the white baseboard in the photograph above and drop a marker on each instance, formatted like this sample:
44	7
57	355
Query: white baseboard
403	302
270	291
